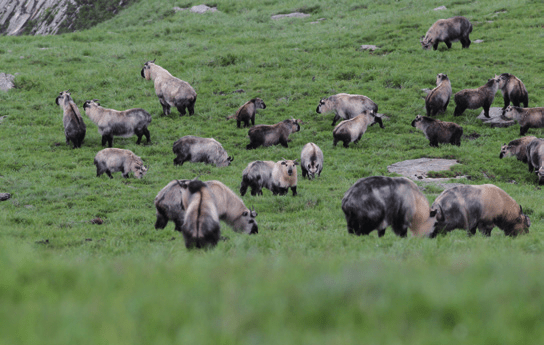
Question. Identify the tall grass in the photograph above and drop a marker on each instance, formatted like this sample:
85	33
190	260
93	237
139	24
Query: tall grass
302	279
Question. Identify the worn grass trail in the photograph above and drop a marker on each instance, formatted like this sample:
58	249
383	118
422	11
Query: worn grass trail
302	279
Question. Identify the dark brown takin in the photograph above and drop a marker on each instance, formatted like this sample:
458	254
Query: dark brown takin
74	126
246	112
476	98
438	99
438	132
447	31
483	207
513	90
268	135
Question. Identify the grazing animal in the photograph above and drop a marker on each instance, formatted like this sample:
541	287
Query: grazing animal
230	208
438	99
376	202
438	131
196	149
535	158
351	131
111	160
483	207
201	226
346	106
311	160
447	31
257	174
284	176
476	98
247	112
74	127
517	147
266	135
123	124
172	92
513	90
526	117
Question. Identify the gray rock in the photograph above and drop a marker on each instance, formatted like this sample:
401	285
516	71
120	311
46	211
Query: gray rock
202	9
4	196
478	41
290	15
368	47
178	9
6	81
441	8
495	118
417	169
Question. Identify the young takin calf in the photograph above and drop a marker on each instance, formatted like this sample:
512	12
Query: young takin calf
246	112
438	131
266	135
74	127
438	99
476	98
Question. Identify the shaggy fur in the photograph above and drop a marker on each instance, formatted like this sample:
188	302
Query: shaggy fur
257	174
74	127
483	207
284	176
476	98
526	117
346	106
266	135
351	131
513	90
311	160
517	147
438	99
447	31
246	112
535	158
111	160
196	149
438	131
169	206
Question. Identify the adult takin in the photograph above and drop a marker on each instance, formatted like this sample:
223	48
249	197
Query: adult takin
447	31
311	160
196	149
112	160
345	106
438	131
513	90
246	112
171	91
201	228
483	207
257	175
476	98
376	202
517	147
526	117
123	124
267	135
535	158
351	131
74	126
232	210
438	99
284	176
168	205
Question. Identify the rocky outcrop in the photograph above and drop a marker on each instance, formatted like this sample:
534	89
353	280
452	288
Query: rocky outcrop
6	81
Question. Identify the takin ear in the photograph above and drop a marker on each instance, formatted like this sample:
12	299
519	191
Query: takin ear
57	100
295	162
230	159
154	60
253	212
182	184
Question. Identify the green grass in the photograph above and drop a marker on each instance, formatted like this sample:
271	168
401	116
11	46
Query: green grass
303	278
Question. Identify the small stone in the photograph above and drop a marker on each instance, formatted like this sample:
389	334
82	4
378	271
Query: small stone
478	41
178	9
290	15
203	9
441	8
5	196
368	47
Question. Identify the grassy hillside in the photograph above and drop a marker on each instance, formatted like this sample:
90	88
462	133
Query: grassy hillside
302	279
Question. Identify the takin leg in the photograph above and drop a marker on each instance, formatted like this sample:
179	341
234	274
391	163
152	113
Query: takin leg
485	228
507	103
181	109
147	134
304	172
381	232
191	107
162	220
243	188
139	134
294	190
165	106
435	45
446	106
336	118
530	166
283	142
459	109
253	120
181	158
486	110
448	43
238	123
523	130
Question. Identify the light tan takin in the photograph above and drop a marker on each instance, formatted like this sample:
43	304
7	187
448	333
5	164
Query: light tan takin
526	117
438	99
246	112
171	91
284	176
483	207
74	127
351	131
123	124
517	147
311	160
346	106
112	160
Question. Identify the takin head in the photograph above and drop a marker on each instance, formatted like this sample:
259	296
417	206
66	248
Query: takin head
146	73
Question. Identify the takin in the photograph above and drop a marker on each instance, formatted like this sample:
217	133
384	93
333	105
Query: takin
476	98
201	226
266	135
526	117
311	160
171	91
123	124
483	207
196	149
438	99
376	202
517	147
438	131
257	174
284	176
74	127
447	31
247	112
346	106
230	208
351	131
111	160
513	90
535	158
